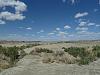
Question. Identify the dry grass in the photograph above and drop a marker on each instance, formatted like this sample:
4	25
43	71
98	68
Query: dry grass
4	64
71	55
58	58
54	56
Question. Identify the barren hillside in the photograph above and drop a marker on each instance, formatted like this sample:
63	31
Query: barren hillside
32	64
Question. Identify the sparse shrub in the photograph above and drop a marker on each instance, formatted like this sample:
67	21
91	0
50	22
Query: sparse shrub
49	56
12	52
28	46
70	55
58	53
84	61
10	55
46	60
65	58
22	54
33	52
85	56
32	45
22	47
98	54
76	51
4	64
63	48
96	50
39	50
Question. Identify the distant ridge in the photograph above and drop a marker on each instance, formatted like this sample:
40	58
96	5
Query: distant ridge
14	41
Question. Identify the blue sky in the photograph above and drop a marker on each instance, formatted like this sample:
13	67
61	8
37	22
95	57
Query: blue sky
49	19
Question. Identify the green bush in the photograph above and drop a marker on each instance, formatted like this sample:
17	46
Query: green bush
85	56
12	52
76	51
31	45
84	61
22	47
22	54
39	50
96	50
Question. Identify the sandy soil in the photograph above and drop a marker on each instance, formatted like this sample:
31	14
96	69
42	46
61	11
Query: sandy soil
32	65
59	46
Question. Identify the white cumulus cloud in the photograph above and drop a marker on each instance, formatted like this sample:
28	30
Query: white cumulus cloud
82	28
29	28
2	22
11	16
41	31
58	29
78	15
97	25
62	34
8	15
67	27
91	24
82	23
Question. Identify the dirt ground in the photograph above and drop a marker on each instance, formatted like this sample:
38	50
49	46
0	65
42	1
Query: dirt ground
32	65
